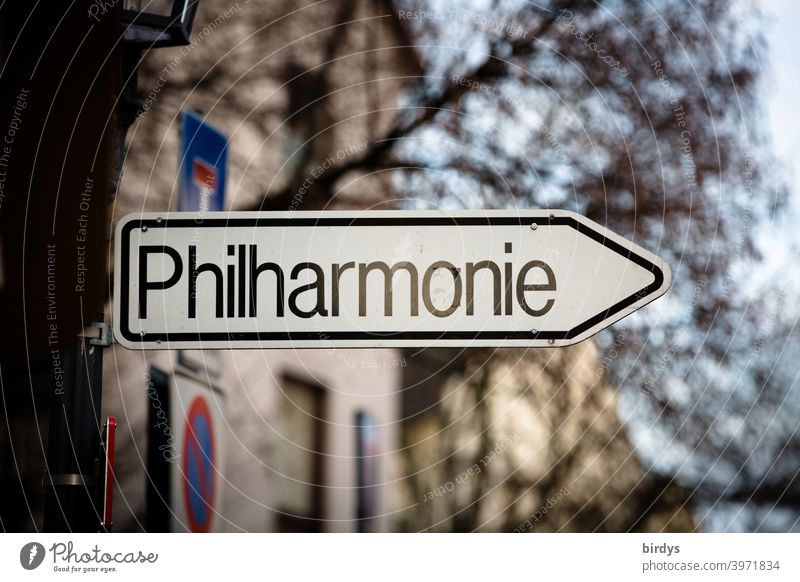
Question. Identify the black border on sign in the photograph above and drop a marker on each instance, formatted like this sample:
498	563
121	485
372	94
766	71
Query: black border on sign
233	337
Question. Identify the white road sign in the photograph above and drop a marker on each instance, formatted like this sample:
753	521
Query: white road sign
374	279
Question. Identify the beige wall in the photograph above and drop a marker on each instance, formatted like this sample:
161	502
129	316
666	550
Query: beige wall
354	380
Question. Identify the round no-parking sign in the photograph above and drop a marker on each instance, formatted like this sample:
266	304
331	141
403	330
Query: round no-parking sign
198	465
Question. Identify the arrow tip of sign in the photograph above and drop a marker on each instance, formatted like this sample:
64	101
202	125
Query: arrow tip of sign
667	273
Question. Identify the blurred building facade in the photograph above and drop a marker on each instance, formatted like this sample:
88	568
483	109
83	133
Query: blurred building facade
526	441
466	440
271	76
458	440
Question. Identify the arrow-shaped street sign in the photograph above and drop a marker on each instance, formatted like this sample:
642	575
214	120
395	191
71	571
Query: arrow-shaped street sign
374	279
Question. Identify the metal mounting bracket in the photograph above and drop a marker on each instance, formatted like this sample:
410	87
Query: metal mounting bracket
69	479
105	338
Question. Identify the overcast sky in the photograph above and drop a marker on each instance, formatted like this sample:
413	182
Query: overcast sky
780	243
783	17
783	99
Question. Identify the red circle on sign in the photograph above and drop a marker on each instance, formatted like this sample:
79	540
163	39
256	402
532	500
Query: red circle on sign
198	466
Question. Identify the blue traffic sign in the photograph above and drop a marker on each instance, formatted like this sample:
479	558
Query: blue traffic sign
203	162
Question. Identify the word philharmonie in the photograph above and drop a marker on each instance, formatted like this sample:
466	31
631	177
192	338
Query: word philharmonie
357	279
238	284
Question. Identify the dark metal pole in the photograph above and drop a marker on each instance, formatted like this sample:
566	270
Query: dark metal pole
73	470
74	476
159	443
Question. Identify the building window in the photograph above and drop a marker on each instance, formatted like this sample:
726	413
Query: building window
366	471
299	456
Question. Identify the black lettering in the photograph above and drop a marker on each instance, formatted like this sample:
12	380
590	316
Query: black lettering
145	285
473	268
319	285
388	275
336	273
194	272
255	271
231	282
242	269
426	288
522	287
